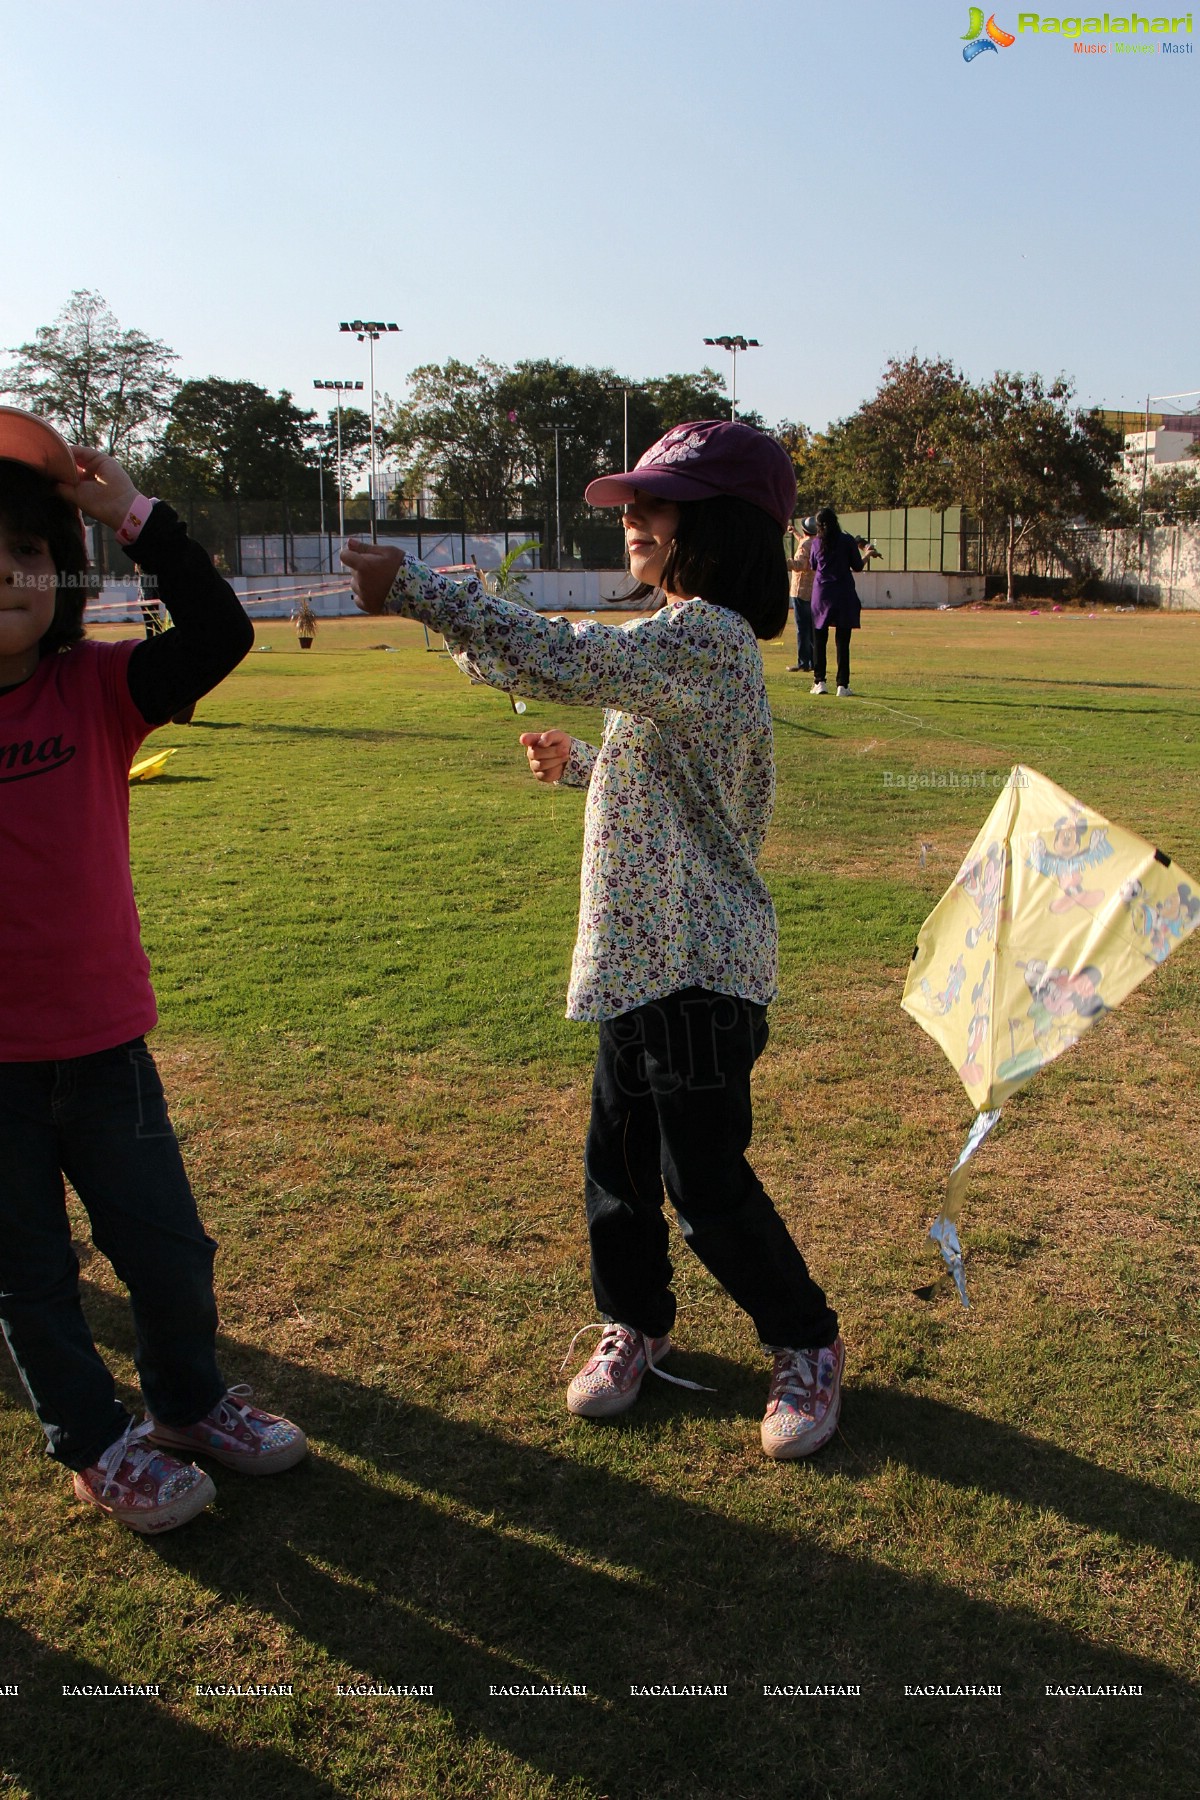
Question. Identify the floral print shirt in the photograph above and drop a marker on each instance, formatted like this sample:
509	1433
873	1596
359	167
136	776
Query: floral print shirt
680	789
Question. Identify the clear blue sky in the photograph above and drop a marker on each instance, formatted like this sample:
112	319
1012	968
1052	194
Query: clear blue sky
606	181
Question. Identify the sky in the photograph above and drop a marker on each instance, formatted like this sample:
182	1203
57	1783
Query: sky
606	182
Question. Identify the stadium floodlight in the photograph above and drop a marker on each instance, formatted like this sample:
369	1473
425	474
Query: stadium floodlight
371	330
339	388
733	342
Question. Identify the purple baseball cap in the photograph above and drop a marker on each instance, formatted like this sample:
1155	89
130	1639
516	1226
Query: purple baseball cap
707	457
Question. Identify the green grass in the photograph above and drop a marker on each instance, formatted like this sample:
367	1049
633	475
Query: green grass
360	912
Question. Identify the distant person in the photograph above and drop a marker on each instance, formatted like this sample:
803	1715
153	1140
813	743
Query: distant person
835	559
800	584
80	1096
677	947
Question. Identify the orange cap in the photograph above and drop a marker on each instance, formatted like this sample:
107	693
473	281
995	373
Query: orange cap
25	438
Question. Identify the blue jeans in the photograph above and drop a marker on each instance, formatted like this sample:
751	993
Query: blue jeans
671	1105
804	633
102	1121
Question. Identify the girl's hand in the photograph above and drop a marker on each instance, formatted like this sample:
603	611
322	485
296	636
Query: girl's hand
374	568
548	752
103	490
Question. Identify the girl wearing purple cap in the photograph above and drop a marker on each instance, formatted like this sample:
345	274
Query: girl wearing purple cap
79	1092
676	952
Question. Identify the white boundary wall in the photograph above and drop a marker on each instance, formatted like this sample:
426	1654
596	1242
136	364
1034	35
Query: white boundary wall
547	590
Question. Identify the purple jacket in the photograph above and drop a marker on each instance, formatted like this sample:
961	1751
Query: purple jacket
835	598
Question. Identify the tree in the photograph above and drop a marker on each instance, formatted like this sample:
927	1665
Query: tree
482	436
881	454
1173	493
233	439
102	384
453	434
1016	448
676	399
356	445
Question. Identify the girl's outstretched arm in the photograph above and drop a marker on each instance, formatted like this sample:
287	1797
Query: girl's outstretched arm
662	669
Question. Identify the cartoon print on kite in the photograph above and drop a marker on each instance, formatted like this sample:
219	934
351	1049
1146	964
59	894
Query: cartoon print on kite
1057	1000
972	1069
1075	847
943	1002
981	880
1163	923
1058	997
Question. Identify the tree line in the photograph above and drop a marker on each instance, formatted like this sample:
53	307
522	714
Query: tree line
486	442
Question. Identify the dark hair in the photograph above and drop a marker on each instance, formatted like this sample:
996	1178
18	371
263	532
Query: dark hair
829	528
729	552
29	502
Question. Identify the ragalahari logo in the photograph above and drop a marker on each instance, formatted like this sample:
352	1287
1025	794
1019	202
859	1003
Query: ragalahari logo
983	37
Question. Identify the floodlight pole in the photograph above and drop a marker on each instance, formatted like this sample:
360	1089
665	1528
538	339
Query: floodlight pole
557	508
341	501
371	329
733	342
338	387
1188	394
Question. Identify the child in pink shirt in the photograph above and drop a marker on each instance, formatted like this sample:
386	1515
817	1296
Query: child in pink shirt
79	1093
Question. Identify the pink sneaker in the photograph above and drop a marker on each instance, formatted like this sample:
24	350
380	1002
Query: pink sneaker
136	1484
611	1381
805	1402
238	1435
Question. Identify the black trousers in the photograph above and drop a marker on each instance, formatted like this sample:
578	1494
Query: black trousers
841	636
671	1105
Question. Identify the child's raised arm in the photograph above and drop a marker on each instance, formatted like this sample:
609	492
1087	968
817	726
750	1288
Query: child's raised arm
212	633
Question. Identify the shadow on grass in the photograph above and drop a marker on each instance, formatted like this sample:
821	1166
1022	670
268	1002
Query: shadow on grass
164	781
442	1552
1152	687
795	725
993	704
364	734
130	1747
968	1452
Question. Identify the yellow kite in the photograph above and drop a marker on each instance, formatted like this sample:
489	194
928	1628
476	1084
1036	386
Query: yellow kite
1055	916
150	766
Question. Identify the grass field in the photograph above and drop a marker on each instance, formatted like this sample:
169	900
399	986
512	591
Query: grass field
360	912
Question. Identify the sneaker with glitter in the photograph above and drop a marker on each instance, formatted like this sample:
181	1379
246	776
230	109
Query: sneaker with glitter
805	1402
238	1435
611	1380
135	1483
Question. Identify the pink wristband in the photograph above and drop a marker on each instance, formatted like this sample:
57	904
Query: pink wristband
131	525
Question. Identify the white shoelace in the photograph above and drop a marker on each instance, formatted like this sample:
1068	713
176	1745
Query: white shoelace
236	1398
627	1331
130	1444
800	1372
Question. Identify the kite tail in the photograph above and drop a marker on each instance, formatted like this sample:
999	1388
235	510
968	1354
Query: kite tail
944	1230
